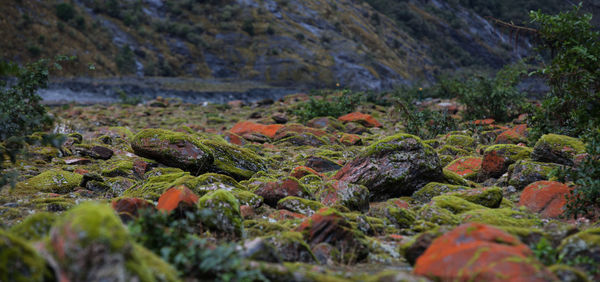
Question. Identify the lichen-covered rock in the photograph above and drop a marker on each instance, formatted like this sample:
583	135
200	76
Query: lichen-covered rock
291	247
584	245
129	208
490	197
50	181
497	158
272	192
559	149
451	177
548	198
437	215
467	167
155	185
337	193
395	166
178	198
301	171
299	205
481	253
415	247
461	141
35	226
248	128
234	161
321	164
452	151
350	139
567	273
329	226
515	135
454	204
525	172
303	139
174	149
398	215
226	216
363	119
19	261
120	168
433	189
328	124
501	217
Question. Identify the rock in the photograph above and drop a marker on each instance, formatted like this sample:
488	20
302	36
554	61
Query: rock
432	189
279	118
328	124
291	247
350	140
395	166
490	197
303	139
342	194
301	171
497	158
395	212
226	216
247	127
299	205
101	152
260	249
130	208
247	211
525	172
178	198
364	119
173	149
77	161
20	261
328	226
515	135
501	217
355	128
325	254
460	141
140	167
35	227
480	252
50	181
585	244
558	149
321	164
548	198
272	192
236	104
234	161
413	249
467	167
235	139
120	168
567	273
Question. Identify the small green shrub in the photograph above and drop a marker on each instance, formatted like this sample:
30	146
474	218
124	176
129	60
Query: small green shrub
248	27
65	11
545	252
334	106
125	60
425	123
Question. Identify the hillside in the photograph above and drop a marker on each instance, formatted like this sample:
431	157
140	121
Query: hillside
316	43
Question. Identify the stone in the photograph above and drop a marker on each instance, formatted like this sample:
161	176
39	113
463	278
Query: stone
291	247
363	119
584	244
497	158
350	140
301	171
130	208
248	127
548	198
515	135
479	252
226	216
467	167
558	149
50	181
299	205
337	194
321	164
525	172
20	261
395	166
178	199
101	152
432	189
279	118
272	192
233	160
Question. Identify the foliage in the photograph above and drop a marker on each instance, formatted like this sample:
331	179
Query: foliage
125	60
426	123
495	97
545	252
573	106
584	199
65	11
334	106
172	237
128	99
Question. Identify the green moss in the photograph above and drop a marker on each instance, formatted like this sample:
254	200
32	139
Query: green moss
155	185
291	240
454	204
433	189
583	241
119	168
395	143
573	274
558	142
149	267
247	198
403	218
19	261
226	212
445	159
488	197
50	181
452	151
262	227
235	161
35	226
510	151
461	141
437	215
501	217
454	179
299	205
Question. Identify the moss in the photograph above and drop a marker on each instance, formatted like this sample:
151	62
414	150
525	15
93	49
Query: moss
226	212
155	185
299	205
119	168
510	151
525	172
580	243
487	197
454	204
501	217
437	215
34	227
263	227
291	240
50	181
452	151
433	189
303	139
558	142
150	267
395	143
461	141
403	218
93	223
454	179
568	273
19	261
247	198
235	161
445	159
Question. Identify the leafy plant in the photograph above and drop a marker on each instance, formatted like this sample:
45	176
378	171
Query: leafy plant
584	199
426	123
65	11
333	106
545	252
125	60
573	105
173	238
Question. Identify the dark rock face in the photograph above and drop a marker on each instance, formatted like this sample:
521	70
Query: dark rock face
173	149
557	149
272	192
395	166
321	164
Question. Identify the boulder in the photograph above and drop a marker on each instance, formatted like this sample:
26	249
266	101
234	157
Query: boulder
272	192
248	127
178	198
467	167
560	149
583	249
321	164
299	205
50	181
337	193
395	166
363	119
20	261
515	135
548	198
433	189
233	160
481	253
226	216
497	158
525	172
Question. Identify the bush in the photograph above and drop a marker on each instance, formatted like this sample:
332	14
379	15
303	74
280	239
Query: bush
175	241
426	124
334	106
573	105
248	27
65	11
125	60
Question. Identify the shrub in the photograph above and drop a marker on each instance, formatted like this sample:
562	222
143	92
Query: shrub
125	60
174	240
65	11
248	27
426	124
334	106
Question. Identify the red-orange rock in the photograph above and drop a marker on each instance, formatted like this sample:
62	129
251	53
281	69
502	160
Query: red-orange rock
272	192
477	252
466	166
548	198
289	130
364	119
128	208
488	121
247	211
514	135
350	139
285	215
176	198
302	171
248	127
234	139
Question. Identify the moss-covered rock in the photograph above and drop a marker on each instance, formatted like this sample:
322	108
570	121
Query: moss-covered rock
490	197
525	172
50	181
342	194
568	273
497	158
299	205
461	141
454	204
582	249
433	189
558	149
119	168
234	161
394	166
467	167
454	178
292	247
147	264
453	151
226	215
155	186
437	215
174	149
35	226
19	261
401	217
501	217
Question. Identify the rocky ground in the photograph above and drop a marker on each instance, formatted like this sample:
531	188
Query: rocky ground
345	198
